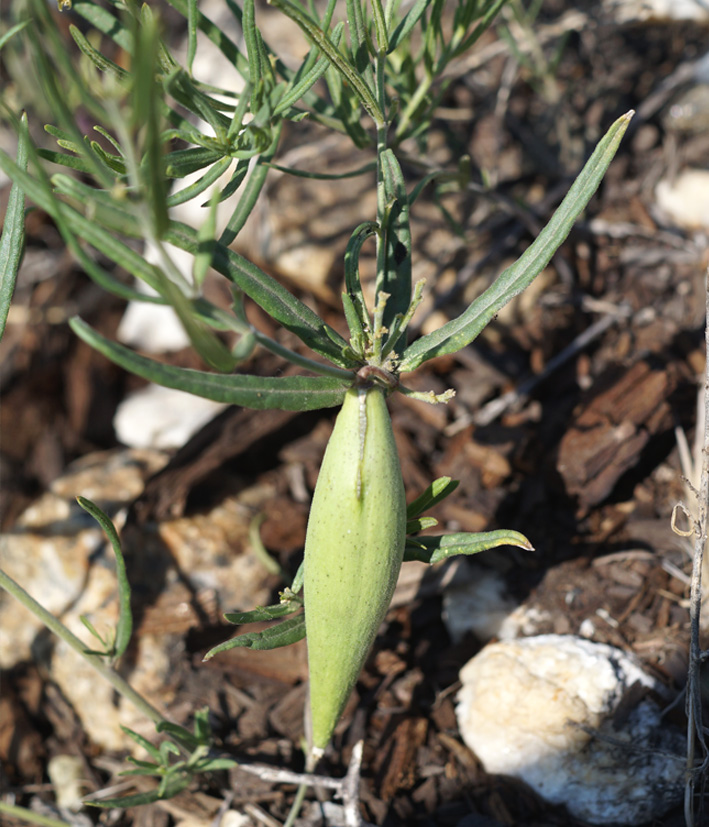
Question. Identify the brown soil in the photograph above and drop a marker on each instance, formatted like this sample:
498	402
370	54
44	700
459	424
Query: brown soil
584	462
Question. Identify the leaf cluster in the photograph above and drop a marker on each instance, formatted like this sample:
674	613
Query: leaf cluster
163	137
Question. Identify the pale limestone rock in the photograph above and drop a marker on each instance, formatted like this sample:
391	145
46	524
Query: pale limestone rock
66	774
525	708
627	11
49	549
476	602
53	570
685	199
162	418
59	555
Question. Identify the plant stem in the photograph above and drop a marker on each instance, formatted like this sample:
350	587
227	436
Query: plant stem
302	361
33	818
381	241
60	630
695	730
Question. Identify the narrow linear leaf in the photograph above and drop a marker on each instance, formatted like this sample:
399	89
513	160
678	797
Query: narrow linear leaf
101	62
124	627
175	785
303	84
420	524
217	35
146	114
61	158
278	302
12	31
437	491
263	613
182	162
394	277
326	176
337	59
251	192
198	187
106	22
407	24
287	393
142	741
436	549
282	634
461	331
353	283
12	241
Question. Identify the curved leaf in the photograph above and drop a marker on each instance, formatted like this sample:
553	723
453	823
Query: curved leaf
12	241
460	332
435	549
281	634
286	393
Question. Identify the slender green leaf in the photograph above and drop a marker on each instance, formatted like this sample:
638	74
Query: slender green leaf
101	62
282	634
337	59
459	332
263	613
437	491
124	627
251	192
145	113
412	17
106	22
216	764
12	31
278	302
420	524
142	741
288	393
197	187
394	278
176	785
61	158
218	36
353	284
436	549
302	85
203	258
191	33
182	162
326	176
12	241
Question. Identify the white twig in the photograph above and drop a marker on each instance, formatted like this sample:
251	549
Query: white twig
346	789
695	729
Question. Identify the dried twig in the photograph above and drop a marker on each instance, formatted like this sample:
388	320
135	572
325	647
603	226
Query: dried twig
695	729
346	789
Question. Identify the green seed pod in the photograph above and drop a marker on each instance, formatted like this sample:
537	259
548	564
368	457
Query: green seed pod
353	551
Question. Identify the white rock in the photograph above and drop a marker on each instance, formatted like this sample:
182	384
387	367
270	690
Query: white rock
626	11
66	773
477	601
49	551
151	327
162	418
59	555
685	199
526	707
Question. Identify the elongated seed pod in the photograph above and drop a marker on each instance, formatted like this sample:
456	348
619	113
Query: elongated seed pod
353	551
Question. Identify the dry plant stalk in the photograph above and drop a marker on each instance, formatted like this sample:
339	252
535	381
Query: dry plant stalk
695	729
